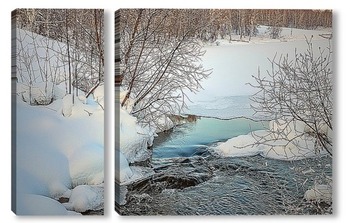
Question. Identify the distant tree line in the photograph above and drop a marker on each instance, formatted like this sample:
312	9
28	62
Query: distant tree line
211	24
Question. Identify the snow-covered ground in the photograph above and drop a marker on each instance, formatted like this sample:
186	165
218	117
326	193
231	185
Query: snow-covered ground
59	146
234	63
56	154
295	144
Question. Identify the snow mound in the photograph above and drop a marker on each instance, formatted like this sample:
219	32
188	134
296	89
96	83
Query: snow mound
283	141
85	197
40	205
56	153
164	123
243	145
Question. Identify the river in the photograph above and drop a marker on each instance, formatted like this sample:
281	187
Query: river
191	180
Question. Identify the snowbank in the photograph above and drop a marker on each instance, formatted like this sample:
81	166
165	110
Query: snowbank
284	140
56	153
84	198
60	144
122	170
132	147
32	204
134	138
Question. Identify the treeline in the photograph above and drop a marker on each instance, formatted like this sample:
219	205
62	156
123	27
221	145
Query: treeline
81	32
211	24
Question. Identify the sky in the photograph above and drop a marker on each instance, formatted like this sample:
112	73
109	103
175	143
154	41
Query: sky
341	164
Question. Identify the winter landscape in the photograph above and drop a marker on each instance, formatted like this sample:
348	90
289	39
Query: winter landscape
58	112
224	112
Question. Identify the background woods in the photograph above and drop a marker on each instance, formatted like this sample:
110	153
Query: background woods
71	44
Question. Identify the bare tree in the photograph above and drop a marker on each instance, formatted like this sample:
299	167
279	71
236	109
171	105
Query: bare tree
158	69
299	91
56	45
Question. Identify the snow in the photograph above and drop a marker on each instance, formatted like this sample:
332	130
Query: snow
294	145
56	153
319	192
163	124
40	205
134	138
132	147
85	198
59	146
134	142
41	93
67	105
99	95
122	170
234	63
86	165
243	145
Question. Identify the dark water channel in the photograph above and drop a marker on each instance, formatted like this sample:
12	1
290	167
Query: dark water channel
190	180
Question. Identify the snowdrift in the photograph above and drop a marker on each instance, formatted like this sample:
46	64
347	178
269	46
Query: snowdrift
284	140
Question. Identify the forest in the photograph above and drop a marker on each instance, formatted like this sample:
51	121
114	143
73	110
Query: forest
78	58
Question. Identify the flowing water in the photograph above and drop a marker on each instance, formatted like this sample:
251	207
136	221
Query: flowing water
191	180
194	138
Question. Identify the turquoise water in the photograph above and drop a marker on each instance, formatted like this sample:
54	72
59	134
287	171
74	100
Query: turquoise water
194	138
